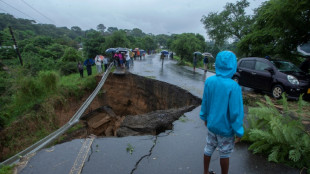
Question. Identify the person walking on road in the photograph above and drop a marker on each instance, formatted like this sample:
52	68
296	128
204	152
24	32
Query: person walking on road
131	57
162	57
195	59
222	111
205	63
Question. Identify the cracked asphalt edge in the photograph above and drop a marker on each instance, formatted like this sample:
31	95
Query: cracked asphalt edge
147	155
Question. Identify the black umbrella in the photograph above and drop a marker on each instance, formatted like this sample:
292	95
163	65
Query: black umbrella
197	53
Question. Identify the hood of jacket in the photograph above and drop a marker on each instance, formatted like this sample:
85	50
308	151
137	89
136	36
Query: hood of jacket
226	64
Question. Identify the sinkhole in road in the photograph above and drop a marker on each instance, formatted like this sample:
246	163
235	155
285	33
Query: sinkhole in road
134	105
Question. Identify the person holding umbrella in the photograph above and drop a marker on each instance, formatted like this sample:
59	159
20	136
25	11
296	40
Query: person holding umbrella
205	63
162	57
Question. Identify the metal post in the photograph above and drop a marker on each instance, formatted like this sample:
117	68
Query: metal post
17	50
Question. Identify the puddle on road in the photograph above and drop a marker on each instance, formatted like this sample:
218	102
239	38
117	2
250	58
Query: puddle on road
135	105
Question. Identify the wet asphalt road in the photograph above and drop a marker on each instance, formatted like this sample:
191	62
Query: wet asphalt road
173	152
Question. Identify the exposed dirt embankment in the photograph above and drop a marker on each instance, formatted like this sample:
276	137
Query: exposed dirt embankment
134	105
126	105
132	95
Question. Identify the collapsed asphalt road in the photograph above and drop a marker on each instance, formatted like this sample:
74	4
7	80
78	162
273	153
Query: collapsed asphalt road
174	151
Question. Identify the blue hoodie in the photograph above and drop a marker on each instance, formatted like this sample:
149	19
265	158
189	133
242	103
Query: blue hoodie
222	105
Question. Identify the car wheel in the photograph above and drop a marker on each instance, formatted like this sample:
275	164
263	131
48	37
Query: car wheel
236	79
277	91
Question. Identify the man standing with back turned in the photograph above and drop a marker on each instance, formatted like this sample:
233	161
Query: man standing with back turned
222	111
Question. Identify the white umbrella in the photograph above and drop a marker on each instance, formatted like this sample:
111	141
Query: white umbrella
304	49
207	54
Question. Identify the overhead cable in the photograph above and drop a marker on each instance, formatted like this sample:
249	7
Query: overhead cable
19	10
38	11
3	10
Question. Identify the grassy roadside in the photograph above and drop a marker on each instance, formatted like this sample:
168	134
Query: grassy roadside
30	115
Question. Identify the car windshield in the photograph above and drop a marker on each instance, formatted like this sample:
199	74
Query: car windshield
286	66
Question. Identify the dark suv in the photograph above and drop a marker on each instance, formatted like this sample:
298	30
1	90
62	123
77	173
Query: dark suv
274	76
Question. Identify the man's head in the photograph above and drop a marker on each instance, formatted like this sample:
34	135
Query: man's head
226	64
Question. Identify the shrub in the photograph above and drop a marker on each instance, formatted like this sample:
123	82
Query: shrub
67	68
29	88
71	55
49	80
283	139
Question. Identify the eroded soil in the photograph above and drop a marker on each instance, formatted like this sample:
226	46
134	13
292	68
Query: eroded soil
121	102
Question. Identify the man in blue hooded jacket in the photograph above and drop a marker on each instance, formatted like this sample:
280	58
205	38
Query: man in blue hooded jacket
222	110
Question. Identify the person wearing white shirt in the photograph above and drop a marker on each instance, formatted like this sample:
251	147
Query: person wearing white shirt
98	64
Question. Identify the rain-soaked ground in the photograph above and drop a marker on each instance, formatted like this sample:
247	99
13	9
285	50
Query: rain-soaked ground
179	150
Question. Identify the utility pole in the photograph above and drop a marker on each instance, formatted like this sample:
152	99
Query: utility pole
16	47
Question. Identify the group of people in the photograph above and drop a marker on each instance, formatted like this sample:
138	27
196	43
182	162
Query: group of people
100	62
122	59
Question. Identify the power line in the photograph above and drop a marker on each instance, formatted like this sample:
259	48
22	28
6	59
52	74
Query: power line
3	10
37	11
18	10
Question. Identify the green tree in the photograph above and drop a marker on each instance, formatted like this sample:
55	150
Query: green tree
92	44
136	32
117	39
162	40
68	63
71	55
280	26
42	41
57	49
6	43
76	29
149	43
111	30
101	28
186	44
232	22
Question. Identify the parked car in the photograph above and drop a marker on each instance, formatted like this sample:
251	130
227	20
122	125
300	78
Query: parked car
273	76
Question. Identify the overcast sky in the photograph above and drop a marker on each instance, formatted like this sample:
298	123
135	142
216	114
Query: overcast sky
151	16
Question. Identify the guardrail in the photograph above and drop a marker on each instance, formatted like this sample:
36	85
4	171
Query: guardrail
50	138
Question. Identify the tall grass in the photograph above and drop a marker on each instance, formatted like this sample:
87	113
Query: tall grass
29	92
74	85
6	169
